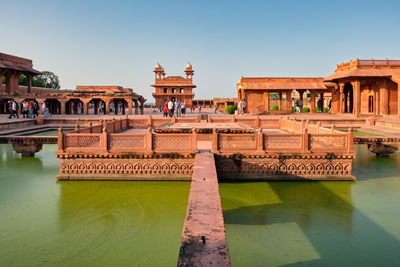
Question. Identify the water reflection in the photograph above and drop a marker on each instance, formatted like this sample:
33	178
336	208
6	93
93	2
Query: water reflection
317	223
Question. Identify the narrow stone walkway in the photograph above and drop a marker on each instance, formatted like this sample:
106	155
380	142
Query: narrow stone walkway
203	238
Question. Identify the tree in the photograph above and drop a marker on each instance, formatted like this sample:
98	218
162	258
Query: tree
47	79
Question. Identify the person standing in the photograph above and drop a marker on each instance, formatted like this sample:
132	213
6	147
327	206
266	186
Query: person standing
165	109
293	105
199	108
178	108
215	109
244	107
240	107
171	108
301	105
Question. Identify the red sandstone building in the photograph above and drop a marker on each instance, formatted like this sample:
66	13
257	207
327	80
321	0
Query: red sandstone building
83	100
173	87
359	87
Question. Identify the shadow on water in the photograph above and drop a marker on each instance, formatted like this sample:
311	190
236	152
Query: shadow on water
327	221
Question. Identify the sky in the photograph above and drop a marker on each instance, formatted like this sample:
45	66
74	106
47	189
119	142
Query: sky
119	42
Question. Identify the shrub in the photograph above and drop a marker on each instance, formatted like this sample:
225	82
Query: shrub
306	109
326	109
274	108
230	109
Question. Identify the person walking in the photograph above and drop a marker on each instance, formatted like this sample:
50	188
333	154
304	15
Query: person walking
215	109
301	105
199	108
293	105
25	109
244	106
14	110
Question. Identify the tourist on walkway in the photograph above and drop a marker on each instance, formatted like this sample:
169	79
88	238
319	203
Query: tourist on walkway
183	107
178	108
199	108
293	105
14	110
320	104
35	109
301	105
297	106
25	109
240	105
31	114
171	108
215	109
165	110
244	107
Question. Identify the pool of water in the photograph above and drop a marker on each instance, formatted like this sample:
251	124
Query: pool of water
317	223
85	223
49	133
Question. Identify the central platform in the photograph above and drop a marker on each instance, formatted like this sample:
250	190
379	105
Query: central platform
204	125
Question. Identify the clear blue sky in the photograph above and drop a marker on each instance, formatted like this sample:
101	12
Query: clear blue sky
120	42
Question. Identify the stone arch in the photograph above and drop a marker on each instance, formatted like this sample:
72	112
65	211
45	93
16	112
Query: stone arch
96	106
53	105
119	106
74	106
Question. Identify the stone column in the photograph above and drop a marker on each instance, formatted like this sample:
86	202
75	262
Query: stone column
85	107
280	101
356	97
29	83
341	89
130	103
398	99
312	101
62	106
1	81
107	107
137	106
266	101
141	107
321	96
289	101
384	98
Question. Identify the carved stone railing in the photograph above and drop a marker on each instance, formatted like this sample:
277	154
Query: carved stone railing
260	143
144	123
144	143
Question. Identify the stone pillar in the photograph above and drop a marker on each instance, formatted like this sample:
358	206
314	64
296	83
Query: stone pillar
141	107
40	103
312	101
29	83
62	106
266	101
384	98
85	107
280	101
341	89
107	107
137	106
321	96
289	101
1	81
398	99
130	103
356	98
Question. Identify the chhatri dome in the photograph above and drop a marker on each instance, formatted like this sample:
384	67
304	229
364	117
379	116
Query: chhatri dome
188	66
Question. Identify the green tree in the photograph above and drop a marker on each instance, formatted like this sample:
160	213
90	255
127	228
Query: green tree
23	80
47	79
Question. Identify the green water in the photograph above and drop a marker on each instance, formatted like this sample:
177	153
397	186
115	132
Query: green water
317	223
49	133
98	223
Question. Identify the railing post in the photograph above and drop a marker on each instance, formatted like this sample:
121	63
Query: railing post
174	119
113	123
90	127
149	141
305	145
350	140
194	141
260	141
60	140
302	125
233	118
149	122
76	129
318	125
215	140
104	140
332	129
257	122
121	125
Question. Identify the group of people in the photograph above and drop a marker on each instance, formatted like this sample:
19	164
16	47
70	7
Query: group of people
242	107
173	107
297	105
30	109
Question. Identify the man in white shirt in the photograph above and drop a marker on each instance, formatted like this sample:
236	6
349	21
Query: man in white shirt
171	108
